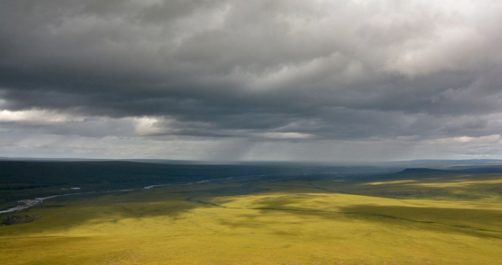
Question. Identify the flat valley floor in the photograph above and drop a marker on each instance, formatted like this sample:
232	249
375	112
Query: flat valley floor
437	220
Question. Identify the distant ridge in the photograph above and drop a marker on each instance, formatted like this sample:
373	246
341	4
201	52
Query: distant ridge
427	172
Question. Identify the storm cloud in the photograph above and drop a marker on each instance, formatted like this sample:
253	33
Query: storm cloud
239	80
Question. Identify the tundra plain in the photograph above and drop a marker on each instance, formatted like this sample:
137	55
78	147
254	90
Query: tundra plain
411	218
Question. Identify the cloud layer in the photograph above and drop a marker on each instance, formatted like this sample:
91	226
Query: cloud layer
299	80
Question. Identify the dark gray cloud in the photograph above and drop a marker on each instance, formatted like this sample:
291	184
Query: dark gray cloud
244	75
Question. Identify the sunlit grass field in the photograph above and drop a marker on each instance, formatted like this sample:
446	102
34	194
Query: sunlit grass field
433	221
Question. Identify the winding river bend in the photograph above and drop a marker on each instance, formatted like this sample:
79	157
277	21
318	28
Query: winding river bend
28	203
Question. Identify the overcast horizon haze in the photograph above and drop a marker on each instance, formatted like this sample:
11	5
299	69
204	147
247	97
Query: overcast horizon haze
223	80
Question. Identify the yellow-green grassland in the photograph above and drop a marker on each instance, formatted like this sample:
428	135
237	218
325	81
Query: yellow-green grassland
434	221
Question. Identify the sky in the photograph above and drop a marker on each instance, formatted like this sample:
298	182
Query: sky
227	80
